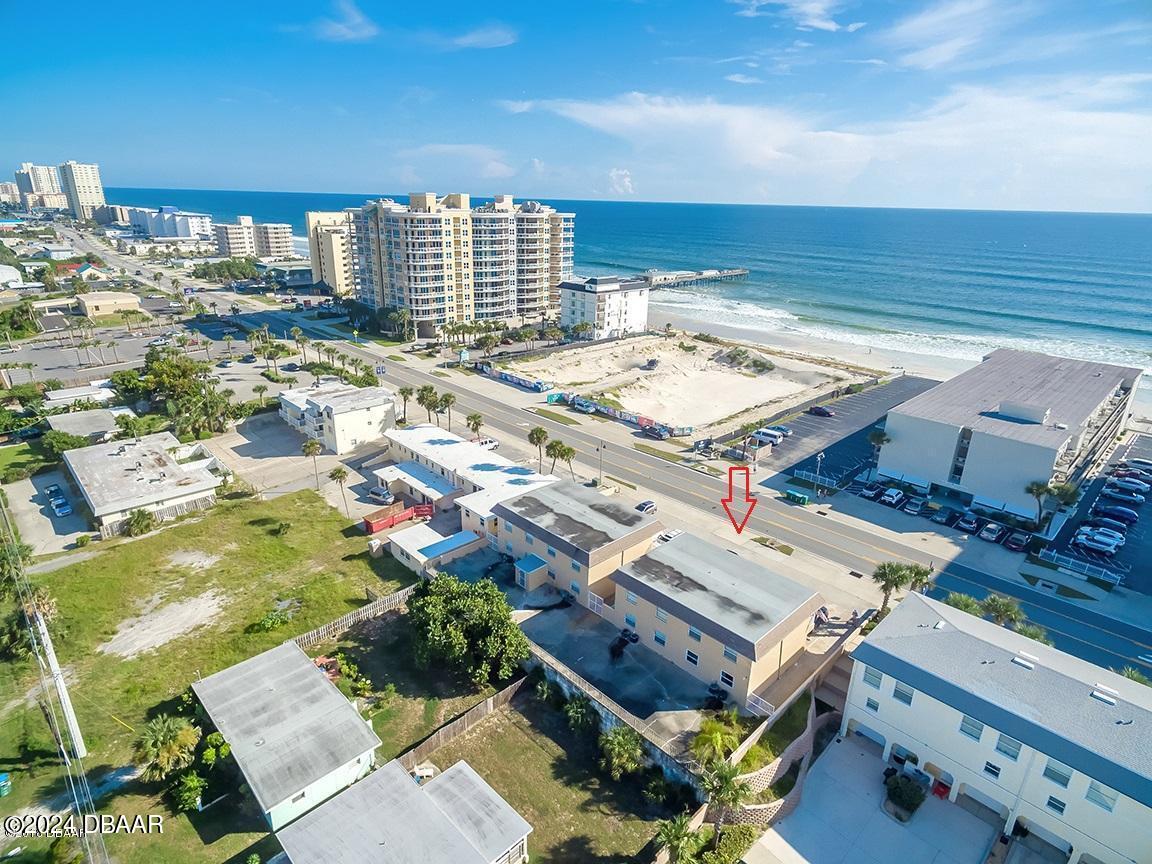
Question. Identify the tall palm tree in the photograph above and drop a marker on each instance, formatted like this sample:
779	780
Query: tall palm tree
919	577
474	422
878	438
445	403
313	448
554	451
538	437
1033	631
427	398
725	792
303	342
891	576
166	745
676	835
339	475
126	314
260	390
567	454
296	333
1002	610
228	340
405	393
1039	489
964	602
715	740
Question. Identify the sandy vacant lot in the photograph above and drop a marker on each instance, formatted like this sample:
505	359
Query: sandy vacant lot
698	388
156	627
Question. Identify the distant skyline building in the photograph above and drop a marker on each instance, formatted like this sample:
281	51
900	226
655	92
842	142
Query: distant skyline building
612	306
80	182
446	262
9	192
171	222
39	186
331	246
245	238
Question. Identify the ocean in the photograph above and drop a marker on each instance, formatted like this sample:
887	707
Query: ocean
948	283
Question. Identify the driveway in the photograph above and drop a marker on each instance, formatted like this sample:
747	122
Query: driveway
839	821
39	528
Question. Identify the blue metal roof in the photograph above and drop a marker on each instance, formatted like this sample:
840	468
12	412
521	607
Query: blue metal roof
531	563
448	544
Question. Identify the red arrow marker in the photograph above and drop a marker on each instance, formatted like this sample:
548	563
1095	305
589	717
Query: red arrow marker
735	509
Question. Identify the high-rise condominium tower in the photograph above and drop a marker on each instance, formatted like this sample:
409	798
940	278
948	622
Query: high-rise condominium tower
445	262
331	247
82	186
247	239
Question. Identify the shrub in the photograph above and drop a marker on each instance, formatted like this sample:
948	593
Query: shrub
252	859
905	793
761	365
83	540
657	790
139	522
16	473
186	791
543	690
271	621
282	529
582	717
706	337
735	840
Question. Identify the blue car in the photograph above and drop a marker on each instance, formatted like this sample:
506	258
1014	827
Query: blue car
1120	514
61	508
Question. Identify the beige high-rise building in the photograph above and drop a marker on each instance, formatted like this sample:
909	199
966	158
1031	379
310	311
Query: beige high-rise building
39	186
248	239
81	184
446	262
9	192
331	247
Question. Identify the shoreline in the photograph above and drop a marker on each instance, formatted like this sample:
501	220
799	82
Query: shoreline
884	360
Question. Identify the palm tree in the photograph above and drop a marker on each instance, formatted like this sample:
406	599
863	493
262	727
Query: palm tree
715	740
260	390
554	451
445	403
538	437
622	751
1134	674
1065	493
919	577
126	314
228	343
580	713
405	393
488	342
725	792
296	333
1039	489
339	475
303	342
166	745
554	334
427	399
1002	610
676	835
877	438
1034	631
313	448
891	576
964	602
474	421
567	454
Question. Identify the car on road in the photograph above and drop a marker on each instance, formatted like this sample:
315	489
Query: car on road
158	342
992	532
893	497
783	430
224	364
290	367
1105	522
61	508
175	304
647	507
1129	484
1094	544
153	296
1113	537
946	516
288	300
915	505
657	432
1017	541
821	411
139	272
968	523
1114	511
871	492
1122	495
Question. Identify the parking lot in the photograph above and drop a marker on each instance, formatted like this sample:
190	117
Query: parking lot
843	439
39	527
1133	560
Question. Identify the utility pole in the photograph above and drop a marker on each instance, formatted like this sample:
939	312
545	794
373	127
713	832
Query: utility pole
600	450
819	461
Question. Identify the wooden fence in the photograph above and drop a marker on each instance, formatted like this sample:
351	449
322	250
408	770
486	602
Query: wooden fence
374	609
459	726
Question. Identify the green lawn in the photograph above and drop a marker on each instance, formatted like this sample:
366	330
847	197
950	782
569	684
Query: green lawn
367	337
549	775
260	298
553	415
660	454
784	731
27	454
321	561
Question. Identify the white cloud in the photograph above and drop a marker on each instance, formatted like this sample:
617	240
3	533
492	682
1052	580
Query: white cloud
808	14
516	106
351	25
1038	144
855	25
947	30
620	181
488	162
740	78
870	61
491	36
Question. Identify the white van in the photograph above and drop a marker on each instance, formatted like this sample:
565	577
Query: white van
769	436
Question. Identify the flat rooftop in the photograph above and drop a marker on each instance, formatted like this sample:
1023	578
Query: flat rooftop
337	398
94	297
455	817
125	475
578	516
420	478
1045	701
95	421
740	603
287	723
987	398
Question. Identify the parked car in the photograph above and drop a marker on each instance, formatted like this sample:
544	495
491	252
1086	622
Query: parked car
224	364
968	523
54	493
915	506
946	516
783	430
1129	484
992	532
768	436
290	367
1114	511
1017	541
1139	463
871	492
657	432
159	342
61	508
893	497
1122	495
1095	545
288	300
821	411
1113	537
139	272
153	296
670	534
248	358
175	304
1105	522
506	341
1131	473
488	443
381	495
648	507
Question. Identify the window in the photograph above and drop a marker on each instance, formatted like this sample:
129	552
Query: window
528	538
693	634
659	638
730	654
631	598
971	727
1056	804
692	657
551	552
991	770
1010	747
903	693
508	548
871	704
630	620
574	587
872	677
576	566
1100	794
299	797
552	574
661	615
1058	773
726	679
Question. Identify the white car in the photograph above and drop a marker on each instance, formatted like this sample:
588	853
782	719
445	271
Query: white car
1105	535
893	497
488	443
153	296
172	304
159	342
1095	544
1129	484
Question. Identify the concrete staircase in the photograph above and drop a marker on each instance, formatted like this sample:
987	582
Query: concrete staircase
834	688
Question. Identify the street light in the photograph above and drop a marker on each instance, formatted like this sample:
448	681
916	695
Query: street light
600	451
819	462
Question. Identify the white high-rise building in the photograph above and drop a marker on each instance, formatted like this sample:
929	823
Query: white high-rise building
39	186
331	246
9	192
248	239
81	184
446	262
611	306
170	222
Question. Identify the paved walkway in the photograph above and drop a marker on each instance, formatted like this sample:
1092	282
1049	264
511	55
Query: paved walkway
840	821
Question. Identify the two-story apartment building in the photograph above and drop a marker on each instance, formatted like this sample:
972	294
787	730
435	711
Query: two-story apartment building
1053	745
338	415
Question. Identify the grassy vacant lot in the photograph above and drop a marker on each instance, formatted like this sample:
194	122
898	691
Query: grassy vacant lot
527	753
27	454
233	551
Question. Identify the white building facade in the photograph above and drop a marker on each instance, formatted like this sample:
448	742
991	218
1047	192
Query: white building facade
171	222
1051	744
612	306
331	245
339	416
81	185
247	239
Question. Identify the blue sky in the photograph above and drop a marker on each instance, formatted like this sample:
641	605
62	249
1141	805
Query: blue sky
959	103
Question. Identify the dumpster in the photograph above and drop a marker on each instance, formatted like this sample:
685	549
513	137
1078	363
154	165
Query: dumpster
796	497
5	785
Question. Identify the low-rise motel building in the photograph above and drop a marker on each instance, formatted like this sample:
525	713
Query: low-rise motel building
718	616
1057	748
